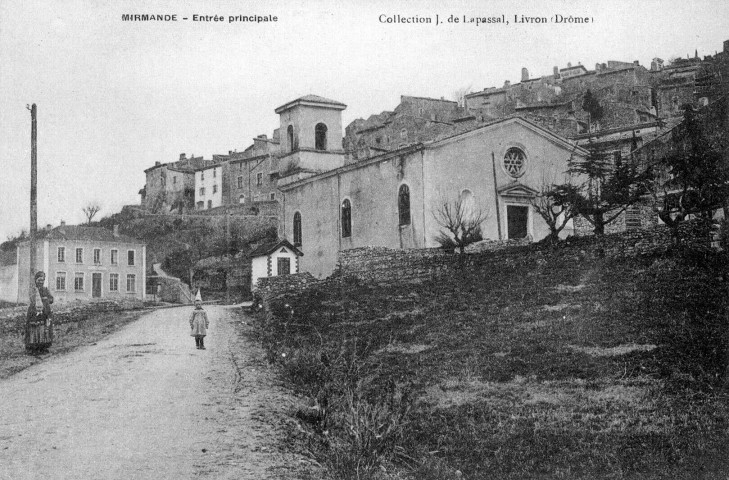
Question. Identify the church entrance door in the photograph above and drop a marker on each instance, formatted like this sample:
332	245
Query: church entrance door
516	218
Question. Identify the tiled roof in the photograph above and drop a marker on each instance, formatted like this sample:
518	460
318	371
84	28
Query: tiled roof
318	99
268	248
93	234
311	99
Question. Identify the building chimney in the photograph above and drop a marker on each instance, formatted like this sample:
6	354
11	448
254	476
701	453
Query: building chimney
569	64
157	164
507	84
63	223
636	63
182	156
49	226
555	71
726	46
116	230
524	74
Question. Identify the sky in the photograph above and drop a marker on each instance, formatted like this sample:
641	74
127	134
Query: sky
114	96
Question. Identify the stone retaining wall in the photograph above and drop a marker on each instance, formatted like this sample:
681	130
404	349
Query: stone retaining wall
491	245
380	266
294	283
642	242
383	266
12	320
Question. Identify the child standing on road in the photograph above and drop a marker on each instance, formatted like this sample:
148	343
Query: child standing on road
199	323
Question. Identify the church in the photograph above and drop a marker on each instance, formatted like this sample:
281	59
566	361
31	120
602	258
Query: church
390	199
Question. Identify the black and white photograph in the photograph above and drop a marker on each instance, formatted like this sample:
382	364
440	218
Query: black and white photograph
385	240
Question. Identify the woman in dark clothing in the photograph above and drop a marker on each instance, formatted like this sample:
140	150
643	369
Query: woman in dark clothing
39	335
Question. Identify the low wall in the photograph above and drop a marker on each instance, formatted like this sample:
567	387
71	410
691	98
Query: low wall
266	208
491	245
642	242
378	265
267	287
12	320
383	266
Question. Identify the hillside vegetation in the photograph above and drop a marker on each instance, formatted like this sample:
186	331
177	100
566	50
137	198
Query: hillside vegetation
551	363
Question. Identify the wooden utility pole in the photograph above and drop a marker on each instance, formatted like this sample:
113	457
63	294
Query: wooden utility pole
229	255
33	214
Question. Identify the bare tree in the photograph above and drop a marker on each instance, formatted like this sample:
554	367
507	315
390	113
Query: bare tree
90	211
553	204
461	221
459	95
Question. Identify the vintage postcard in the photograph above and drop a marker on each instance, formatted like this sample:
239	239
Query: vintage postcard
364	240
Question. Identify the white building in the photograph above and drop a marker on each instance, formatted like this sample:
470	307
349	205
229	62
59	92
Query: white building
80	263
272	259
209	187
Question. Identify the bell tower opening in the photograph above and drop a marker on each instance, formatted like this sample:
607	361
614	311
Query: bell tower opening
313	141
320	136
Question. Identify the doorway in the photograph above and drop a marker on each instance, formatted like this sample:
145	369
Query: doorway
283	266
96	285
516	221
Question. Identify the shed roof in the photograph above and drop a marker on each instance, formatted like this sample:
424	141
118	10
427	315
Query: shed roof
269	248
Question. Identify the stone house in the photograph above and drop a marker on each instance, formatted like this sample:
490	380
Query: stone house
170	186
209	181
414	120
253	173
388	199
85	263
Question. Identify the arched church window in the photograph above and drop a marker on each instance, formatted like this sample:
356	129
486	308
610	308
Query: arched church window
297	229
515	162
320	136
403	204
346	219
468	205
290	137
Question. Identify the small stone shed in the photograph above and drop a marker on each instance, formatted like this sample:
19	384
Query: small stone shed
272	259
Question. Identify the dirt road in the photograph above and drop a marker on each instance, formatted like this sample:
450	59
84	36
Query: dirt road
144	403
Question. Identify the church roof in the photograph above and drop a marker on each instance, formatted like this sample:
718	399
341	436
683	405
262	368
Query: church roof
451	137
312	100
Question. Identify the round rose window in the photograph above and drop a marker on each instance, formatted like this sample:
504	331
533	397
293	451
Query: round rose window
514	162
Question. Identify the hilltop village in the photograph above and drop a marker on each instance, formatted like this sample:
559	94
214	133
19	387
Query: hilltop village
376	181
294	199
527	281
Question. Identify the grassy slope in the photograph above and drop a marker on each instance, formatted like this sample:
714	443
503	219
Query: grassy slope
533	365
67	337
